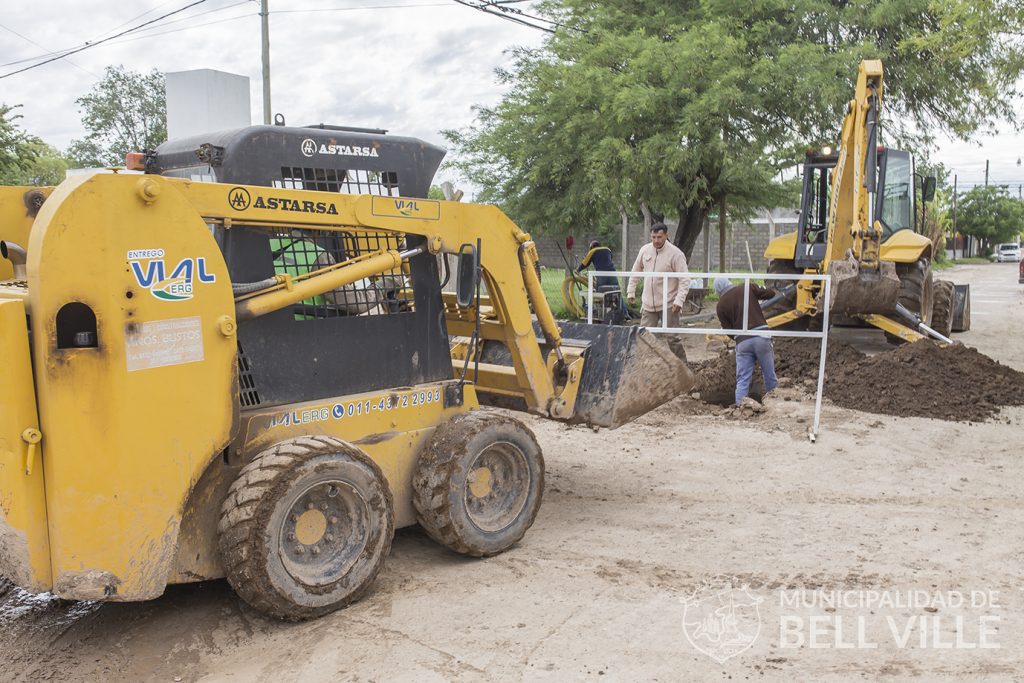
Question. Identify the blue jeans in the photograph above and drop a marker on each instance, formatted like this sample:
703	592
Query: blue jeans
751	351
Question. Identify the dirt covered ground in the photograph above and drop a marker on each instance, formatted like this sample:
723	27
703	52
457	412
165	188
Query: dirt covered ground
914	525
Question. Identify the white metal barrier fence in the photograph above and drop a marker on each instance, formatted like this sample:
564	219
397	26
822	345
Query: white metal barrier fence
746	278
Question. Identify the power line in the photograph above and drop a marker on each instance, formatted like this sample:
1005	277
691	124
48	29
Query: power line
104	40
355	9
484	7
143	31
148	32
26	38
497	4
196	16
183	28
139	16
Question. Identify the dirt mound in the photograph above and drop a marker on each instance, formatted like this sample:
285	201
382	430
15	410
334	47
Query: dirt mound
798	359
715	380
923	379
927	380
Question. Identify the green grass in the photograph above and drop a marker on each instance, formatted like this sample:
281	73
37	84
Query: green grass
551	280
976	260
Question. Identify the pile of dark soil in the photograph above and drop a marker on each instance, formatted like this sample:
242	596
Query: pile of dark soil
798	359
923	379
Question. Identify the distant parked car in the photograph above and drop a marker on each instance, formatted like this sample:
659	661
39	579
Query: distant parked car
1007	253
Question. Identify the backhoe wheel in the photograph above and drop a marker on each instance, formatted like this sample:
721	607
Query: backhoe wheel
478	483
305	527
916	293
942	307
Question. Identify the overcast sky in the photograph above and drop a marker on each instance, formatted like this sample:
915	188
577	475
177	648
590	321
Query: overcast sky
414	69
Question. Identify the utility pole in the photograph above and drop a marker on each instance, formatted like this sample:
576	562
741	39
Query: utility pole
722	268
954	219
986	172
265	22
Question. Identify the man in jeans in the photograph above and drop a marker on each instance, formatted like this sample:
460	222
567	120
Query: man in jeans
661	256
750	350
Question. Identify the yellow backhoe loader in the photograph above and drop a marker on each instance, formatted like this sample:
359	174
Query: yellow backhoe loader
856	223
263	381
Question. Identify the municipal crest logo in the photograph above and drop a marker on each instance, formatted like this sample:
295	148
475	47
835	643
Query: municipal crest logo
721	618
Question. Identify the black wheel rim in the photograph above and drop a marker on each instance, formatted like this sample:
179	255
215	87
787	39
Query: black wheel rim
497	487
324	532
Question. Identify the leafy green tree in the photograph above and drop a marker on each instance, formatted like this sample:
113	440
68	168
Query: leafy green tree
49	167
125	112
991	215
18	149
639	106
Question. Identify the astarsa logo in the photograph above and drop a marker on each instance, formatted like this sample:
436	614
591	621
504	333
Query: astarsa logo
239	198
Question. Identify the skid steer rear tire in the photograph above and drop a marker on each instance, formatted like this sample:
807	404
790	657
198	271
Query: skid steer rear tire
479	483
942	307
917	291
305	528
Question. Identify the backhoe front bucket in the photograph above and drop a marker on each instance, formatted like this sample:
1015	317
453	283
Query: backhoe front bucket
627	371
855	290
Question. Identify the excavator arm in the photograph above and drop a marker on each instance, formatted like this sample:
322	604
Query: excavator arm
863	284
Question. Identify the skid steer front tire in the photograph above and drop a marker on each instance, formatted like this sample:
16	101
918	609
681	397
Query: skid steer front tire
305	528
479	483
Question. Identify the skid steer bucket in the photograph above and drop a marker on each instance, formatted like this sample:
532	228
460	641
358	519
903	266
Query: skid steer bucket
862	291
627	371
961	308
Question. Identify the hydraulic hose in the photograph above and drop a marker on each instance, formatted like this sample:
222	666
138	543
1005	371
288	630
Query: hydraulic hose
569	288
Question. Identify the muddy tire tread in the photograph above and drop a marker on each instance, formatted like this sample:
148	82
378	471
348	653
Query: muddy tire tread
434	471
238	528
914	281
942	307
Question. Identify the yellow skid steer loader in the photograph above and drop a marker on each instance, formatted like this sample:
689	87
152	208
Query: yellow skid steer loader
263	381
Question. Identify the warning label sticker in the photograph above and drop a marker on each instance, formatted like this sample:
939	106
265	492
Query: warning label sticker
160	343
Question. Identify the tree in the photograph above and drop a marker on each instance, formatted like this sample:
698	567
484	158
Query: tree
24	158
125	112
991	215
48	168
18	149
640	104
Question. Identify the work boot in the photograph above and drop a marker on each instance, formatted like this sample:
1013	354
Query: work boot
752	405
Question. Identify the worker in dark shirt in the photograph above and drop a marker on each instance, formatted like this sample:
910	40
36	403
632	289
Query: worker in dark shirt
750	350
601	258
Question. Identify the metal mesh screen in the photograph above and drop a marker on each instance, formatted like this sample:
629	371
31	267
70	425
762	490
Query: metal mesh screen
351	181
297	252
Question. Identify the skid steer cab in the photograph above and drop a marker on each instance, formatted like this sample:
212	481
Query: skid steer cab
215	380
